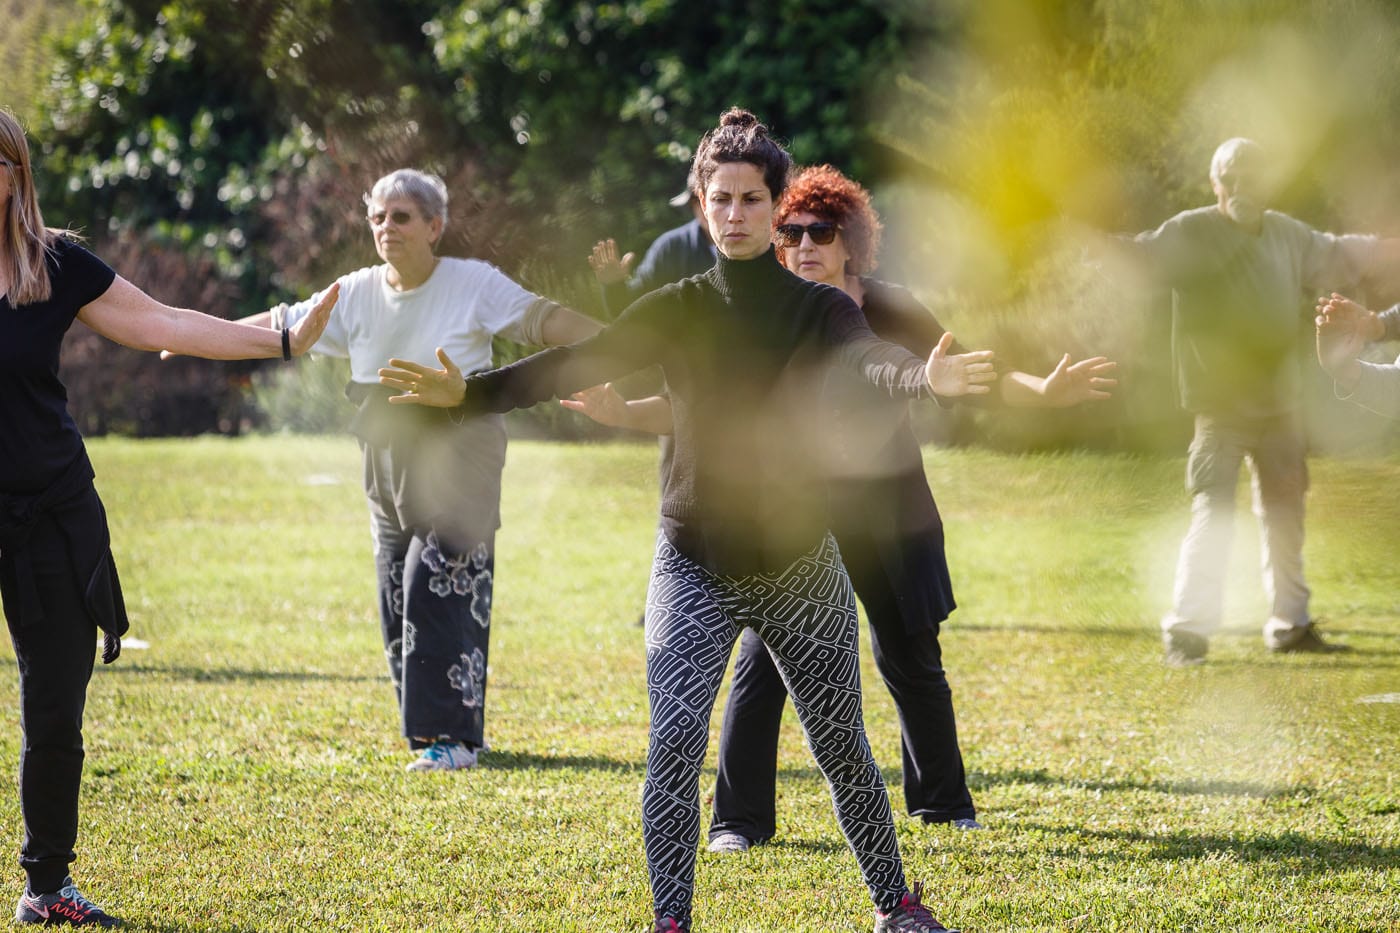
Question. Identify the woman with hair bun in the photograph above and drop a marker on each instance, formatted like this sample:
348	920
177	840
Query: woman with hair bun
743	539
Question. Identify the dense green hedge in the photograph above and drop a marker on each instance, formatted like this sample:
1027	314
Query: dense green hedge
1000	137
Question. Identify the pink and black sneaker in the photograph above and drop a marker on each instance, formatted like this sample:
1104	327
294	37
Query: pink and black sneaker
911	916
65	907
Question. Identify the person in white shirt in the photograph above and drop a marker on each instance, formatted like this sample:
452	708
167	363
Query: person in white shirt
433	483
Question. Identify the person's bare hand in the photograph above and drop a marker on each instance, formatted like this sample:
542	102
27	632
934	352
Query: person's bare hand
1339	346
603	404
424	385
1072	383
960	374
308	330
1342	312
607	267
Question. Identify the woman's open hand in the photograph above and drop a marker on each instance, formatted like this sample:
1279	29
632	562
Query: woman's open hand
959	374
423	385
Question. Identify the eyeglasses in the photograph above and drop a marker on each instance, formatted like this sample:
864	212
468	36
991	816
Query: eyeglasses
400	218
822	233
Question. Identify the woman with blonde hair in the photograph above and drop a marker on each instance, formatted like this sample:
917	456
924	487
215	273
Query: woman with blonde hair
57	574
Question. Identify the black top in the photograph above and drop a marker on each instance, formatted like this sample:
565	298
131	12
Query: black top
744	347
882	511
38	437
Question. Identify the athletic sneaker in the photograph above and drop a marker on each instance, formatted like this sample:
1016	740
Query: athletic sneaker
911	916
1183	649
1309	642
966	824
444	756
667	925
729	843
67	907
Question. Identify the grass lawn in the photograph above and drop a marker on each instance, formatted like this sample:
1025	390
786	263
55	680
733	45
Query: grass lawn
245	773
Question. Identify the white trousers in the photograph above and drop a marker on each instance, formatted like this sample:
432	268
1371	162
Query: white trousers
1274	450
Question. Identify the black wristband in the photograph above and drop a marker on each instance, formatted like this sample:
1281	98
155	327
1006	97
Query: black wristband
286	345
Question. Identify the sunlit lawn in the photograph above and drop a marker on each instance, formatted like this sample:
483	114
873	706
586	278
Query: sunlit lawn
244	771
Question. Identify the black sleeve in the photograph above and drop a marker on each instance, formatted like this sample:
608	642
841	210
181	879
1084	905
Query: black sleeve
79	276
885	365
637	339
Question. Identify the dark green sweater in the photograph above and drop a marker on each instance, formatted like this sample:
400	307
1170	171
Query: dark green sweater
744	347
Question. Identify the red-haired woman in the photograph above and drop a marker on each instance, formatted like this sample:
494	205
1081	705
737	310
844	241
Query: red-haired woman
885	522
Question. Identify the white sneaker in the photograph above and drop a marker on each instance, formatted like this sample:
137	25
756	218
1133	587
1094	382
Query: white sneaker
444	756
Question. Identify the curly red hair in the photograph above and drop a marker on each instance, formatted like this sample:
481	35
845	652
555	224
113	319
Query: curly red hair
823	191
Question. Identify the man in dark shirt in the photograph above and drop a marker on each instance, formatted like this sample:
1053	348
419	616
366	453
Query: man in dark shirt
676	254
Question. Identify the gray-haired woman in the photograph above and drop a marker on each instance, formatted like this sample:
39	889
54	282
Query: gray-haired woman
433	483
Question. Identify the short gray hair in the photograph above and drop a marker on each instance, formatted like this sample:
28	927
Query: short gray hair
1229	151
426	190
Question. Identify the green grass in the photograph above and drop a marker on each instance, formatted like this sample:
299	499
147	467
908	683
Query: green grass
244	773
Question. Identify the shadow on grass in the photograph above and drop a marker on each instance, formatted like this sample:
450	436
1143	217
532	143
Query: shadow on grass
529	761
1292	852
1035	628
228	674
1348	654
1179	788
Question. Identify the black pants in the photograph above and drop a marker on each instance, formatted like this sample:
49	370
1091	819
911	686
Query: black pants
911	664
55	655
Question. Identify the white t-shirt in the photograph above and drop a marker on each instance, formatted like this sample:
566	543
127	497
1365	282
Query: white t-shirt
462	305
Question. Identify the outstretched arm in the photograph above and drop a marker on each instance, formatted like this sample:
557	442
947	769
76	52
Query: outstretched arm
605	405
565	326
1067	384
127	315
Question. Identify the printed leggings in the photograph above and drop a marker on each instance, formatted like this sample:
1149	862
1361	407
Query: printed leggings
806	615
435	616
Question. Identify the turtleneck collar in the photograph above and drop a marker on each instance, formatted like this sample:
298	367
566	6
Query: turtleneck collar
733	277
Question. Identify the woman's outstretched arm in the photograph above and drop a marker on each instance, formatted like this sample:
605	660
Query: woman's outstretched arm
127	315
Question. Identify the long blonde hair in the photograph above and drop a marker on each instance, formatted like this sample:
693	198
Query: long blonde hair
24	240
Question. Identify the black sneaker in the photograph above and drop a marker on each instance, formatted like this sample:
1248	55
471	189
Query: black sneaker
1183	649
1309	642
667	925
67	907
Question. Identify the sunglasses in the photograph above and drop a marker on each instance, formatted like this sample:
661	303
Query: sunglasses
400	218
822	233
